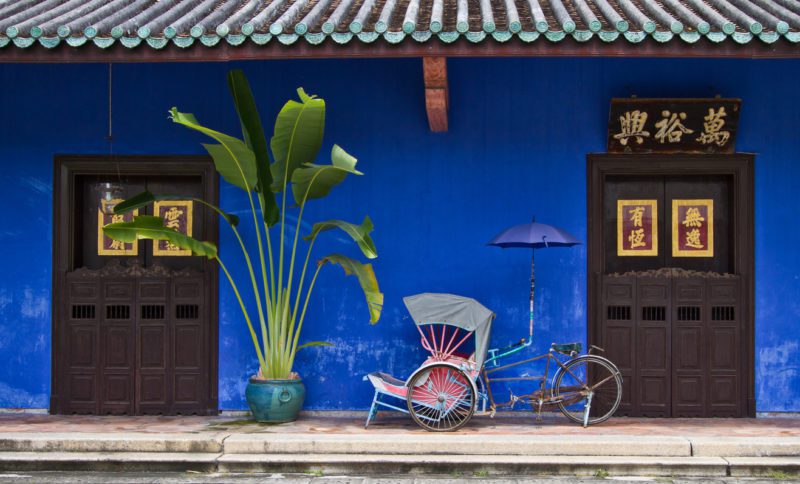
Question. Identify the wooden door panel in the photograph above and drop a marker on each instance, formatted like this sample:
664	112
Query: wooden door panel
117	389
82	347
152	390
83	389
188	344
689	349
723	344
187	388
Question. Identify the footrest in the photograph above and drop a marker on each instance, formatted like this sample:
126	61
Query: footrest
387	384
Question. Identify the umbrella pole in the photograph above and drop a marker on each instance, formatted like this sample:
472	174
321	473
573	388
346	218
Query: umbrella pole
533	286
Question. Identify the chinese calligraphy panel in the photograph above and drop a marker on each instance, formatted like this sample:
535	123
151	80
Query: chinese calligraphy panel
177	215
637	228
673	125
693	228
106	245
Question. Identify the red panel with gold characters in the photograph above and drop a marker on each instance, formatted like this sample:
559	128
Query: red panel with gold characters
177	214
107	245
693	228
637	227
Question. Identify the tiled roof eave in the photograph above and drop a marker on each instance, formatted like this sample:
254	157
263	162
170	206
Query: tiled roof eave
159	24
342	38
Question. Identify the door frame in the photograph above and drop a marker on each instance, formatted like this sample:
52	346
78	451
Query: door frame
65	170
740	167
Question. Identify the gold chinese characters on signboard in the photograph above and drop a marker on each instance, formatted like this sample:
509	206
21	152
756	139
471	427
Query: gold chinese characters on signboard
693	228
177	215
107	245
637	227
673	125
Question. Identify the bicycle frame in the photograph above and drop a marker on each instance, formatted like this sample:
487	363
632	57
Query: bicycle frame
541	396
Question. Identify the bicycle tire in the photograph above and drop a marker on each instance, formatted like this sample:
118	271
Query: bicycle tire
610	379
441	398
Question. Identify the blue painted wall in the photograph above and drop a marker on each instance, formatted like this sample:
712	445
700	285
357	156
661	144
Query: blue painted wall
519	133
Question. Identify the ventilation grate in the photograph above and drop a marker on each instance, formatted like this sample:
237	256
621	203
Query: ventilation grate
723	313
618	313
187	311
83	311
654	313
118	311
688	313
152	311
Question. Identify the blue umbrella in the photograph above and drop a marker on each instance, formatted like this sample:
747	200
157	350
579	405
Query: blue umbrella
533	236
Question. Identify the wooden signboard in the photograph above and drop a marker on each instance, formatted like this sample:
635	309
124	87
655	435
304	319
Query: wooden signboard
673	125
637	227
693	228
177	214
106	245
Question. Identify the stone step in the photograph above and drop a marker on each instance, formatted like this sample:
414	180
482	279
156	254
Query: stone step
469	465
455	444
108	461
745	446
383	464
764	466
110	442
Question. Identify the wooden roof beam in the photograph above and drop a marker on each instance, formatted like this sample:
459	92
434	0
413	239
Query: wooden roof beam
436	98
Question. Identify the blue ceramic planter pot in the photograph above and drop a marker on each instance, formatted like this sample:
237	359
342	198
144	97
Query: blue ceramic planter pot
275	401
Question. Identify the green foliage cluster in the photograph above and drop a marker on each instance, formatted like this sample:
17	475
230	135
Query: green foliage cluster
278	286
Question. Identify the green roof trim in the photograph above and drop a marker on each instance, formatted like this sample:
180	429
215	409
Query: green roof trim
155	24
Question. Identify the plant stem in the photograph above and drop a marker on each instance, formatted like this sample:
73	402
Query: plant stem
300	288
303	315
246	317
256	293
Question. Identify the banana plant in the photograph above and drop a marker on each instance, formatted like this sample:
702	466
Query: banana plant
281	287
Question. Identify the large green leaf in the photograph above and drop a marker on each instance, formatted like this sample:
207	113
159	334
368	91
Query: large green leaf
316	181
297	137
254	138
145	198
232	158
359	233
150	227
367	280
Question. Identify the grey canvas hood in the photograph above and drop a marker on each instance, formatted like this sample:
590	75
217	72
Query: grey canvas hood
461	312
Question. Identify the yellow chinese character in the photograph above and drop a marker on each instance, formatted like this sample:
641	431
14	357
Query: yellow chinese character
636	238
172	218
693	218
116	244
636	216
632	126
671	127
712	128
693	239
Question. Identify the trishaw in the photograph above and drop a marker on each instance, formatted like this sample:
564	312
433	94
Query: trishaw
455	379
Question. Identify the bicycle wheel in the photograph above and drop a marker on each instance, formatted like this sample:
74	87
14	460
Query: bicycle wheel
585	377
441	398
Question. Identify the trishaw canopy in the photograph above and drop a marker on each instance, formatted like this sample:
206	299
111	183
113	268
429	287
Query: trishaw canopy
461	312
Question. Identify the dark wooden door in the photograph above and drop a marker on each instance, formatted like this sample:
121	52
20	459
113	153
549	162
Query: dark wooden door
133	333
676	325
